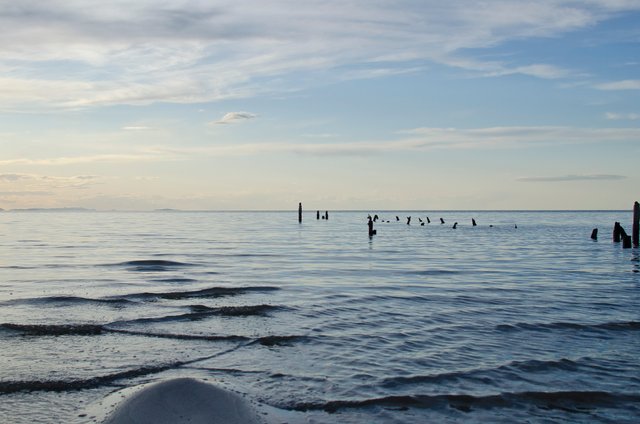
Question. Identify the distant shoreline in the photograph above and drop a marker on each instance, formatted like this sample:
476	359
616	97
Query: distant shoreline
167	210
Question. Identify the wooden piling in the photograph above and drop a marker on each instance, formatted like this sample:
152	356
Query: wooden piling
616	232
636	224
594	234
300	212
626	239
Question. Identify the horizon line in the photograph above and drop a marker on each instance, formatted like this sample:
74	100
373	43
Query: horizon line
308	211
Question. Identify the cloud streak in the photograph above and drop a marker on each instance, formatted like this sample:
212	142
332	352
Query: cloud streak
564	178
620	85
622	116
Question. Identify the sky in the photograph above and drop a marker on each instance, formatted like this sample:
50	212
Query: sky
350	104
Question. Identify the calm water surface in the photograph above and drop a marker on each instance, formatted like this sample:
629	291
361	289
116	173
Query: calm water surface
418	324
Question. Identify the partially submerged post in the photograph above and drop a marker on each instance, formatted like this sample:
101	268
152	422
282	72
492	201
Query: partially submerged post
326	215
455	225
594	234
372	232
317	214
616	232
636	224
473	222
626	239
408	220
441	221
300	212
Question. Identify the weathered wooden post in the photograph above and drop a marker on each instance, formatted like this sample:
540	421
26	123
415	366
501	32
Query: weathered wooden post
455	225
626	239
616	232
317	214
636	224
300	212
473	222
372	232
594	234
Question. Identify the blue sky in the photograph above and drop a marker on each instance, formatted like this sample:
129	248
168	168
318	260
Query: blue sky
247	104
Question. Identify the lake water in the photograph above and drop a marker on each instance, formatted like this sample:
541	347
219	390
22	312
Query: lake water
481	324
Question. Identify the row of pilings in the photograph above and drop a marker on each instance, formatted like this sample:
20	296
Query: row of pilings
619	233
325	215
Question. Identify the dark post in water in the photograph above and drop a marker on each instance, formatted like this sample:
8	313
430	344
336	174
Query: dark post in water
300	212
636	224
626	239
616	232
372	232
594	234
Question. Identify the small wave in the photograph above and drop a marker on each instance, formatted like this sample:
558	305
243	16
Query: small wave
201	312
67	300
54	330
175	280
92	330
235	311
7	387
209	338
429	379
428	272
534	365
608	326
568	401
210	292
483	374
147	265
271	341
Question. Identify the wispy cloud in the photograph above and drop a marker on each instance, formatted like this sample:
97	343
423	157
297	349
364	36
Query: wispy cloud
13	177
136	128
234	117
620	85
562	178
8	194
156	156
118	52
34	184
622	116
411	140
423	139
516	136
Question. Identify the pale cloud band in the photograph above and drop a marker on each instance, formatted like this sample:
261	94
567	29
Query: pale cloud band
622	116
418	139
620	85
119	52
564	178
